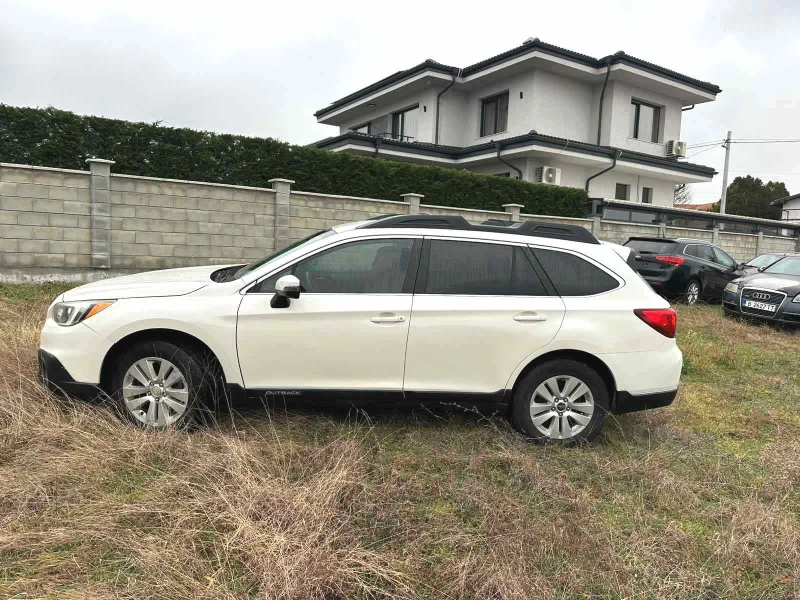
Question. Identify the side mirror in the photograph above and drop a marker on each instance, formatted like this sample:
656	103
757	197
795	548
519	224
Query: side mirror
741	267
286	287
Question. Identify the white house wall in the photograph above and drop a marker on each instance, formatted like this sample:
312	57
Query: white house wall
617	131
425	117
562	107
790	211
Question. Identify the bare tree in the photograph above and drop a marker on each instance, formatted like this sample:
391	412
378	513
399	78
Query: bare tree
682	194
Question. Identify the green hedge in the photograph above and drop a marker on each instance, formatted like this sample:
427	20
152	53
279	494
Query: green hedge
57	138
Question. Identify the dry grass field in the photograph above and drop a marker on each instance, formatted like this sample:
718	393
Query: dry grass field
698	500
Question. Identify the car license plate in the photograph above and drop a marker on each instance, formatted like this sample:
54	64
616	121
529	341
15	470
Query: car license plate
760	305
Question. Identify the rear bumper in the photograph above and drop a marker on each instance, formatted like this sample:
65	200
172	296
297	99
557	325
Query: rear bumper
670	282
56	378
627	402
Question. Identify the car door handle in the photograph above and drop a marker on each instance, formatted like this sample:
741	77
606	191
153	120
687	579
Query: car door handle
387	318
529	317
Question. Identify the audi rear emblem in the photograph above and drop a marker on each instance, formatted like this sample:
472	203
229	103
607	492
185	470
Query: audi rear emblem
761	296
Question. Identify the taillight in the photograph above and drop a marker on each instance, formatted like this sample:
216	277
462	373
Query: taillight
670	260
663	320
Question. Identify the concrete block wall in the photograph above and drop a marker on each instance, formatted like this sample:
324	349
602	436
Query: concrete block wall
44	218
85	225
740	246
310	212
777	244
619	232
159	223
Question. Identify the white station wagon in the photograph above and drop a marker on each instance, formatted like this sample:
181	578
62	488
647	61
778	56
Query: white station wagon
539	320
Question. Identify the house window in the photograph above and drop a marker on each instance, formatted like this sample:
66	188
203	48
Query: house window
647	195
404	124
622	192
494	114
645	121
365	128
506	174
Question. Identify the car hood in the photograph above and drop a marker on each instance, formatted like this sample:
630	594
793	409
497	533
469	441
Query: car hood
773	281
170	282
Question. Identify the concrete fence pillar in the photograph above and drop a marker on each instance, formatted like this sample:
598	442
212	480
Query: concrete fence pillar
283	192
760	243
715	235
596	226
662	230
100	218
413	201
514	210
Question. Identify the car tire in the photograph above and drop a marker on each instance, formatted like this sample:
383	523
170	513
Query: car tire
572	394
693	292
159	384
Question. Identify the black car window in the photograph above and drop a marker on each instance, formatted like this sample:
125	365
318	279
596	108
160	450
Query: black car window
788	265
572	275
700	251
478	269
365	267
723	259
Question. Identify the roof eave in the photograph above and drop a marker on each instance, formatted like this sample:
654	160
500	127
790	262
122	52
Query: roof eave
430	150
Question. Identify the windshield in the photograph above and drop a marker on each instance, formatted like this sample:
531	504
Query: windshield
764	260
298	244
789	265
651	246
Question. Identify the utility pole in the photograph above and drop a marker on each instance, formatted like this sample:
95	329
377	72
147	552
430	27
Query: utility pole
725	174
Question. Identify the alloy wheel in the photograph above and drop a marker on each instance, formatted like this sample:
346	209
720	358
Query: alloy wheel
692	293
155	392
561	407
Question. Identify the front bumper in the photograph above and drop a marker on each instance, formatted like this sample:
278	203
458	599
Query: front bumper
57	379
788	312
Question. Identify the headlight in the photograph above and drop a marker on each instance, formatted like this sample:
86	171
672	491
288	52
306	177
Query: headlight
72	313
796	298
732	287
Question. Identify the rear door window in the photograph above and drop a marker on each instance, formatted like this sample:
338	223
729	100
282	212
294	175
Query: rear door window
572	275
651	246
479	269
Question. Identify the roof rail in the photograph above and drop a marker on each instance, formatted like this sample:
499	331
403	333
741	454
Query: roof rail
573	233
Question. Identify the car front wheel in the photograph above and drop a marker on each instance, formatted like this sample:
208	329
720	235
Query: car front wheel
563	401
158	384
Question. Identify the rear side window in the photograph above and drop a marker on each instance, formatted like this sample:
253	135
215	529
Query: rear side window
572	275
651	246
699	251
477	269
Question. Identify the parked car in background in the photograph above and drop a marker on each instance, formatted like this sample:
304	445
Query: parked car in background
539	320
762	261
770	295
684	268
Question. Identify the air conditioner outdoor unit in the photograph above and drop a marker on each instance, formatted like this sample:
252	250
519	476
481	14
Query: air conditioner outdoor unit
548	175
676	148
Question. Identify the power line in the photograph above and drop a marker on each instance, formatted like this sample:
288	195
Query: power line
701	151
714	143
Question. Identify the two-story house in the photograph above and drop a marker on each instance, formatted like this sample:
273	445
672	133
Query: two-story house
537	112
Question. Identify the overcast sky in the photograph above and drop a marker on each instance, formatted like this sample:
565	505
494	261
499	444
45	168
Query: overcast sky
263	68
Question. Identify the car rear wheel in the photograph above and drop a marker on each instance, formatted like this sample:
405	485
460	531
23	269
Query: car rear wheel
562	401
158	384
692	293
